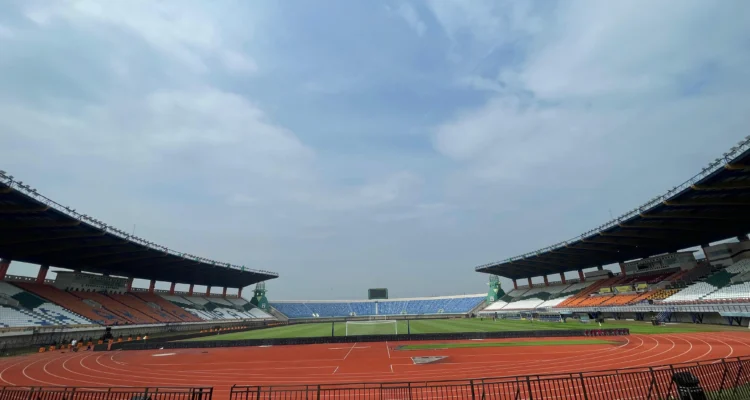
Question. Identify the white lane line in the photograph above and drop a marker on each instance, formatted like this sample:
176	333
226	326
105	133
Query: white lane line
389	349
334	371
350	351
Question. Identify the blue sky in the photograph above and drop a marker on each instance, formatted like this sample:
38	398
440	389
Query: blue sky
356	144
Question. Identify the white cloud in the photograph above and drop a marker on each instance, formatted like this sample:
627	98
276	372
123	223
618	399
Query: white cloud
5	32
409	14
241	200
237	62
635	47
598	73
188	32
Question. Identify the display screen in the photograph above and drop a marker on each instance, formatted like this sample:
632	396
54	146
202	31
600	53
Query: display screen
377	294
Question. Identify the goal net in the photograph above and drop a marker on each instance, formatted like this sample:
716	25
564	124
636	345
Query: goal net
372	327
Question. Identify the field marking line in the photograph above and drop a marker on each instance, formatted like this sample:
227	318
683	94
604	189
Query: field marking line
388	348
392	369
334	371
350	351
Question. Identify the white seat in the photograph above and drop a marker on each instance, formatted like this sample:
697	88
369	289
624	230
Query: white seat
692	292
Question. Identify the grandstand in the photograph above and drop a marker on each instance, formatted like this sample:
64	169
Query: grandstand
653	277
445	305
99	263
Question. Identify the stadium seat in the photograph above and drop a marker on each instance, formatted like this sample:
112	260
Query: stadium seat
72	303
130	315
692	292
137	304
525	304
16	318
167	306
41	308
740	291
415	306
498	305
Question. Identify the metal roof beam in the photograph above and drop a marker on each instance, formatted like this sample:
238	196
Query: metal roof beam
539	262
36	238
88	256
738	167
37	224
4	190
617	243
727	185
8	209
127	260
710	201
564	258
665	238
33	251
170	264
662	227
582	247
698	215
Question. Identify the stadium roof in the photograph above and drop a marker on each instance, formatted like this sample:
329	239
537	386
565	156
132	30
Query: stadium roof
713	205
37	230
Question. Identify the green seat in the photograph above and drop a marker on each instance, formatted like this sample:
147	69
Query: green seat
28	300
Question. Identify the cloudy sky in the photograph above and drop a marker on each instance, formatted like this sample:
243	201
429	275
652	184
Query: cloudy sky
355	143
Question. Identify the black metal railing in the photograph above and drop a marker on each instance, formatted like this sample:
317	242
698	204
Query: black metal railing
727	379
92	393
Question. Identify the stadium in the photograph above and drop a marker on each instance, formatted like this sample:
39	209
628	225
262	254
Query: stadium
666	324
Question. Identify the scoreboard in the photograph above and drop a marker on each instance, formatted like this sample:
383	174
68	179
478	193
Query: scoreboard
377	294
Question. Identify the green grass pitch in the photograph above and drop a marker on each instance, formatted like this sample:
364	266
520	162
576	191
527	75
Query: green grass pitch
458	325
437	346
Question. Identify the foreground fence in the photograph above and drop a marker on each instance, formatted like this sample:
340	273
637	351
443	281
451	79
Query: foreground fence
727	379
119	393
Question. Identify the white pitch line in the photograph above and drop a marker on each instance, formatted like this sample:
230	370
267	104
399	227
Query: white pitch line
350	351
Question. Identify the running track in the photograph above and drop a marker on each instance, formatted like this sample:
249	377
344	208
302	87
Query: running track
361	362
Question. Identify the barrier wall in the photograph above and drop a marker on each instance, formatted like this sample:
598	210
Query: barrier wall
13	345
366	338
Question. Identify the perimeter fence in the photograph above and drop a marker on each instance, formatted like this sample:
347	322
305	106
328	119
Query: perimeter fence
98	393
726	379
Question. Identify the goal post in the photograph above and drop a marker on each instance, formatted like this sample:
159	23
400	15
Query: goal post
372	327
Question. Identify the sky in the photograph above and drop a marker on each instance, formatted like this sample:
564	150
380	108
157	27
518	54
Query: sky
353	144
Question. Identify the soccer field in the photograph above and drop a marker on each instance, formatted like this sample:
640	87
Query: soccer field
457	325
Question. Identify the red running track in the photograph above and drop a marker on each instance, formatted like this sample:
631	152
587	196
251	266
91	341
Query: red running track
360	362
